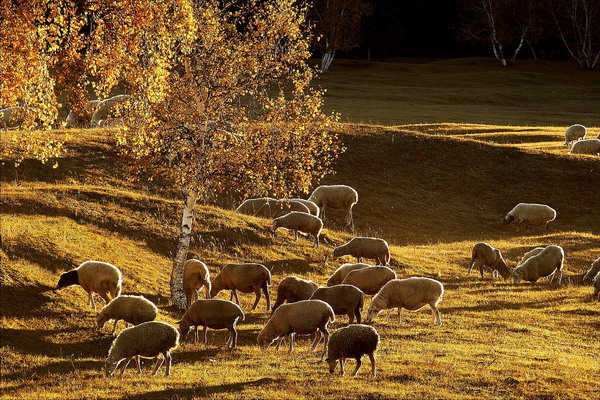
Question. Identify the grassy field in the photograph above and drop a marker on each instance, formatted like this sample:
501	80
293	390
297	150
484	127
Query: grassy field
432	190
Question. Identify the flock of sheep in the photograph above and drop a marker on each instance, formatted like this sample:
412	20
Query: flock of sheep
309	308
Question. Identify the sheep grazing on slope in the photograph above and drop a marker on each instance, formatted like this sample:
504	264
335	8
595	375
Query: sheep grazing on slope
131	309
365	247
214	314
352	341
312	207
548	262
530	214
596	283
335	196
589	146
94	276
148	340
292	289
370	279
195	276
592	272
246	278
340	274
75	120
302	317
300	222
411	293
574	133
105	110
484	255
268	207
344	299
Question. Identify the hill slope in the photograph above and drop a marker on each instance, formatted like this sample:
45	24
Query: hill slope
432	191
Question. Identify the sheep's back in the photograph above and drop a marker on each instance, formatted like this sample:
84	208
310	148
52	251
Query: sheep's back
98	275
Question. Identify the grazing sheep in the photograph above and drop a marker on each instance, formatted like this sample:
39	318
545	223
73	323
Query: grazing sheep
370	279
367	247
302	317
105	110
344	299
547	262
352	341
338	276
195	276
299	221
410	293
530	214
589	276
131	309
312	207
214	314
149	340
94	276
596	283
335	196
246	278
9	117
484	255
268	207
292	289
589	146
574	133
75	120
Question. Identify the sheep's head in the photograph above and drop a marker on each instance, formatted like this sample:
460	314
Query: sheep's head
338	252
184	328
67	279
508	220
265	339
372	312
101	320
332	363
110	366
500	265
517	275
275	226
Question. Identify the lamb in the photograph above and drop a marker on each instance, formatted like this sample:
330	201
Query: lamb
149	339
335	196
105	110
131	309
589	146
352	341
530	214
596	283
312	207
94	276
246	278
484	255
268	207
592	272
299	221
549	261
292	289
370	279
214	314
367	247
75	120
410	293
195	276
343	299
574	133
338	276
302	317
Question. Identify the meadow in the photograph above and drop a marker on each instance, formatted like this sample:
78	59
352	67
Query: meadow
432	181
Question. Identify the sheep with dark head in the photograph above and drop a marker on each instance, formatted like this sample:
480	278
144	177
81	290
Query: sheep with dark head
94	276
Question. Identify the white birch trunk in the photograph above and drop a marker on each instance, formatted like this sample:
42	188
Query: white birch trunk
327	59
187	221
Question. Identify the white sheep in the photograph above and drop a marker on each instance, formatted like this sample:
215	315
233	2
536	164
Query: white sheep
268	207
410	293
214	314
340	274
105	110
302	317
149	340
246	278
131	309
352	341
589	146
365	247
344	299
574	133
337	197
292	289
591	273
484	255
548	262
195	276
312	207
370	279
300	222
94	276
75	120
530	214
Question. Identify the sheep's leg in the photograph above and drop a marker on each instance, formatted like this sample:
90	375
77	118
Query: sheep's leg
350	318
233	338
265	290
437	318
358	364
115	327
206	291
292	337
357	314
92	301
296	234
159	363
204	331
257	299
316	340
325	342
400	314
559	274
105	297
471	268
342	365
481	265
279	342
139	364
316	241
237	299
125	364
358	259
372	358
168	372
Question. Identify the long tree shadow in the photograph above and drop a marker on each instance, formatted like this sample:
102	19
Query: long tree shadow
58	367
25	301
494	305
296	266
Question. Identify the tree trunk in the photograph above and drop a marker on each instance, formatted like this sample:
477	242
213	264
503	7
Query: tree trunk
187	221
327	59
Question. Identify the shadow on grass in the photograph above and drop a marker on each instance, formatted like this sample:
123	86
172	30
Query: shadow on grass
296	266
502	305
43	253
58	367
25	301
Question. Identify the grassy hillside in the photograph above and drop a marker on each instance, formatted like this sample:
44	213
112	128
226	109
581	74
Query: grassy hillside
431	190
